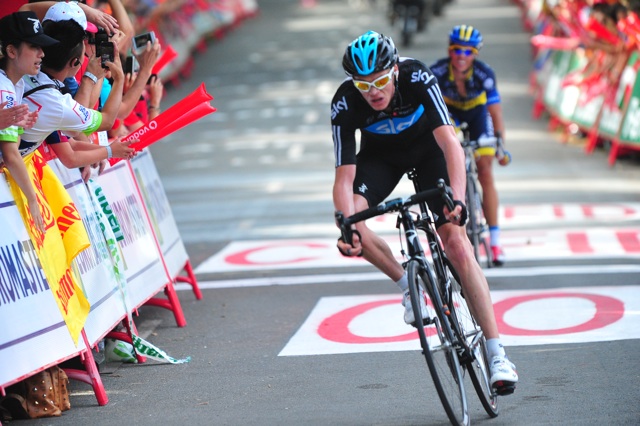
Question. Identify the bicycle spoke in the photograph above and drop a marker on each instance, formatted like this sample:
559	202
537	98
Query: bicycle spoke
436	342
475	357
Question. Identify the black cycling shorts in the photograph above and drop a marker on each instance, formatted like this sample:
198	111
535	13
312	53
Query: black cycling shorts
378	175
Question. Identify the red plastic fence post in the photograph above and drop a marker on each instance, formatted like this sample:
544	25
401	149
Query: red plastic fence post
91	375
171	303
613	153
592	141
127	337
190	279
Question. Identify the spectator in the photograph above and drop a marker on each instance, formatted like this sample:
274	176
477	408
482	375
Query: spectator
61	112
22	40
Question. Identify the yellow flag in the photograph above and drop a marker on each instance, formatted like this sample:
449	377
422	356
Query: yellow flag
65	236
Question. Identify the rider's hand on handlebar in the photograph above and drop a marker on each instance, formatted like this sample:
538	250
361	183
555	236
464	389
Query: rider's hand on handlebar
506	158
349	250
459	214
503	156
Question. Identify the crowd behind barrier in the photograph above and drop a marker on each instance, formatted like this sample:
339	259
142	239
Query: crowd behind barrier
187	25
136	253
585	74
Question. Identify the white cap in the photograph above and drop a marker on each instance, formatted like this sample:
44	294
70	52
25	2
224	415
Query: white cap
65	10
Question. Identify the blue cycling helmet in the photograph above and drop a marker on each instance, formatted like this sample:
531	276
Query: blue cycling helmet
465	35
368	54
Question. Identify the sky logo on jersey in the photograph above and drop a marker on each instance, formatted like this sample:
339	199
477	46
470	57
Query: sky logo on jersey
338	106
421	75
82	112
393	126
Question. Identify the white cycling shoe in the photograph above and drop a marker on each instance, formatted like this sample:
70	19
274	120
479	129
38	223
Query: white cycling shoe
503	375
409	317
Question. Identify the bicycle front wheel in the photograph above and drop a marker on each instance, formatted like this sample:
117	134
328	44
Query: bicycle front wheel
437	343
475	357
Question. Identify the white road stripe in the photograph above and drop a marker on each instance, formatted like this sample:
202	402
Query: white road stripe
369	276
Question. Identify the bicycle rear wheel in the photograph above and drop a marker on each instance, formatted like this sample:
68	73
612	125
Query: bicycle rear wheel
475	358
475	222
437	347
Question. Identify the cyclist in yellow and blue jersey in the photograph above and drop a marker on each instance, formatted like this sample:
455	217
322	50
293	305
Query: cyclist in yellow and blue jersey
469	89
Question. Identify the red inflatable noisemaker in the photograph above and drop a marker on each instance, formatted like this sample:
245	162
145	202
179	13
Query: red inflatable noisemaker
192	108
167	56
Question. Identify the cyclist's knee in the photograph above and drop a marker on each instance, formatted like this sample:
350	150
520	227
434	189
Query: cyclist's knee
455	241
485	172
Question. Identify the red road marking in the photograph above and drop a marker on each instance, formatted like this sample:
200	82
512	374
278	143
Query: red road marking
629	241
558	211
242	257
579	243
608	311
336	327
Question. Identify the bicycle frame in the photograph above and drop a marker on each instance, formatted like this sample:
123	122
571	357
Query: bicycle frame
458	344
476	226
439	258
425	224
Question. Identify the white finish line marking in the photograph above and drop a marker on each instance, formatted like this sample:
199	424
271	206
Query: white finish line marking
357	324
520	245
370	276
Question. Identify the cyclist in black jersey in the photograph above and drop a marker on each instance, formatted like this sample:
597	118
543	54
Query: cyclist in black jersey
396	105
469	89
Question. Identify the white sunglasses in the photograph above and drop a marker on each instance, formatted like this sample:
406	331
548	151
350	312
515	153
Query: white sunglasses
379	83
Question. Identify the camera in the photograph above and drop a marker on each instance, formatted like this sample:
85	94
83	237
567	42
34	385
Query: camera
131	65
98	38
140	41
105	51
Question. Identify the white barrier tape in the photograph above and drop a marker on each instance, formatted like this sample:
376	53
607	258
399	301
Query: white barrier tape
150	351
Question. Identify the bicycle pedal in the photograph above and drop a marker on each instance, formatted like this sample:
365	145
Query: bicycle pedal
504	388
425	322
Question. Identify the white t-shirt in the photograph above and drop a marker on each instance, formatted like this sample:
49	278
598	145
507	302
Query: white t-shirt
12	94
56	111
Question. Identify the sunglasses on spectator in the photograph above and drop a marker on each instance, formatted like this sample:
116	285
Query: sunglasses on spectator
462	50
379	83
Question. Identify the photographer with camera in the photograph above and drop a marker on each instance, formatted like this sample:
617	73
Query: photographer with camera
140	86
61	112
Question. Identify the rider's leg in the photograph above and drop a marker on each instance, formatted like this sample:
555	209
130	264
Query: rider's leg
490	203
376	250
474	284
476	292
489	193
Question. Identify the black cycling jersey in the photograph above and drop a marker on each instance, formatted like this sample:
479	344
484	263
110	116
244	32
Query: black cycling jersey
395	140
405	127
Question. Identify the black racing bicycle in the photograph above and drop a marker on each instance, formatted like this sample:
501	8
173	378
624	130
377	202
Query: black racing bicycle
452	342
477	228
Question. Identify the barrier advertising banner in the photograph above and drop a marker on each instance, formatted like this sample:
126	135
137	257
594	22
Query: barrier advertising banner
612	112
30	321
94	265
63	238
116	194
630	129
164	224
